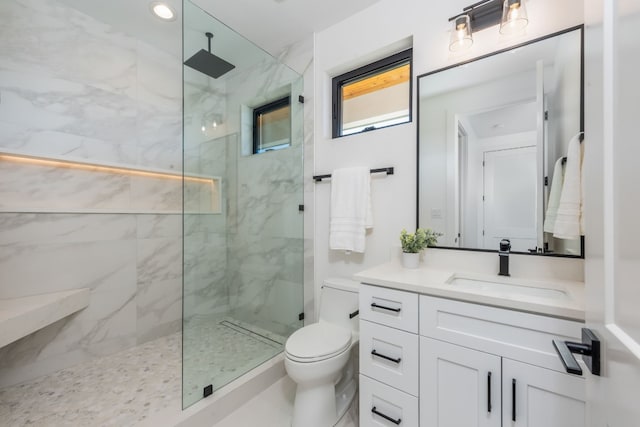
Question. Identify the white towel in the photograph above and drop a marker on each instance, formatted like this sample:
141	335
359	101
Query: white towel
351	212
554	197
569	218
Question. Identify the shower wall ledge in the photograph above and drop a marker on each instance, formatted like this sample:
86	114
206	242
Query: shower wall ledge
20	317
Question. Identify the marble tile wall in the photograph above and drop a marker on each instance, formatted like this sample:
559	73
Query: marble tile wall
207	151
267	249
74	88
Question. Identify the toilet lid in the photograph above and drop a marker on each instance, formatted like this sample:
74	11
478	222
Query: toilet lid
318	340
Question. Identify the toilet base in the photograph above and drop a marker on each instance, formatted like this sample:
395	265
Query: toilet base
322	406
344	398
314	406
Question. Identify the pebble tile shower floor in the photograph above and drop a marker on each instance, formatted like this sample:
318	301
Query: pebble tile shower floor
125	388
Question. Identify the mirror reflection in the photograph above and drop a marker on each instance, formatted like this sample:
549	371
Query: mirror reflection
491	133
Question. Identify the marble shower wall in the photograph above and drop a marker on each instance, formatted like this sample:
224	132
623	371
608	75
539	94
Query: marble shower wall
210	151
266	244
73	88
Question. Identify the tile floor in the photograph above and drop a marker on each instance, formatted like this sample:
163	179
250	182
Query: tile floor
273	408
125	388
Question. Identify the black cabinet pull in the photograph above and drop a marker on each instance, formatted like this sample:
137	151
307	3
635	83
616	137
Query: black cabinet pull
382	307
386	417
489	392
513	399
354	314
391	359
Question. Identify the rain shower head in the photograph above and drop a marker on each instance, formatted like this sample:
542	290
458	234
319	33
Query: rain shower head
209	64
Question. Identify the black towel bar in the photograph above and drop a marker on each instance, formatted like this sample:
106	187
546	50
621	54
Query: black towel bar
388	171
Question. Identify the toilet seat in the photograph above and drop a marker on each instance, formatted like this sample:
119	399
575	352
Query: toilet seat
316	342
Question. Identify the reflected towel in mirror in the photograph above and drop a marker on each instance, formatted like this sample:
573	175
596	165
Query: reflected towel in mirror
569	217
554	196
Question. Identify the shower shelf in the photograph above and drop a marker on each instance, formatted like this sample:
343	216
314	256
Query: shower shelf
22	316
201	188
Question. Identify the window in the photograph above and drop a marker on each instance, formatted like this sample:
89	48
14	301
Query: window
272	126
374	96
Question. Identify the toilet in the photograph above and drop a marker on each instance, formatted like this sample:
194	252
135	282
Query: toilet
320	360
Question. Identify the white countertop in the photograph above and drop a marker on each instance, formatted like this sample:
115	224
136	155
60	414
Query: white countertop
20	317
432	281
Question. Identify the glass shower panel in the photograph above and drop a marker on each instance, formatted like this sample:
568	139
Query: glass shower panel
243	230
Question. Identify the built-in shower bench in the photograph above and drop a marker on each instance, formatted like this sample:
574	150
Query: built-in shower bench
22	316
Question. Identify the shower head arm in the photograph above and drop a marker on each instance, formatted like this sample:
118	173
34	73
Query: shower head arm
209	36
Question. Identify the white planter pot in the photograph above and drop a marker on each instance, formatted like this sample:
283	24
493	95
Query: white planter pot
410	260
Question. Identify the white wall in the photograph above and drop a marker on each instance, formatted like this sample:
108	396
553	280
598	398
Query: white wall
385	28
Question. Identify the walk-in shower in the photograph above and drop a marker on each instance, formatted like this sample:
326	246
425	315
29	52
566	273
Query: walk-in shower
137	213
243	234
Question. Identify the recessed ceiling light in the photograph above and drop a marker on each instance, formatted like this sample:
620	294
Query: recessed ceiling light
163	11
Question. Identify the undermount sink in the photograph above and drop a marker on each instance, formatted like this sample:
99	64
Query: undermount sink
505	285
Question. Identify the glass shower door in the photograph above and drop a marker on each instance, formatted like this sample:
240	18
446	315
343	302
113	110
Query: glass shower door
243	230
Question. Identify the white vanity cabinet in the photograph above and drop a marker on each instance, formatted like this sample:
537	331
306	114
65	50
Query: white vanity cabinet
543	397
464	387
476	351
467	365
458	386
389	357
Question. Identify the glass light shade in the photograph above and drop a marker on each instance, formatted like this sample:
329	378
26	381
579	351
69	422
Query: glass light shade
514	17
461	38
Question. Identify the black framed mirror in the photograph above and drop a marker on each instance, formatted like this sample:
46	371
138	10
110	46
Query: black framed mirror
492	136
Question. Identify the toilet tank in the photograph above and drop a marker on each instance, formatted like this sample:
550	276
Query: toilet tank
338	299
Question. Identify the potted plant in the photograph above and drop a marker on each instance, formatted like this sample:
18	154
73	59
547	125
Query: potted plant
414	243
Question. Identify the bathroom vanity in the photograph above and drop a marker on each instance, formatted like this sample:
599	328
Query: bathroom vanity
445	348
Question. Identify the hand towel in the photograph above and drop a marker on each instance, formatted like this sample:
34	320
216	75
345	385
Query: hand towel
569	218
351	212
554	197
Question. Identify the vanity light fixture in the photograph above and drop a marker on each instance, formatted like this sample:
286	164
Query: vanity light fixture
461	38
510	14
163	11
514	17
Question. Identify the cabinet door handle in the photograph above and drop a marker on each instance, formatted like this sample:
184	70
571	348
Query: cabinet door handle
391	359
382	307
386	417
489	392
513	399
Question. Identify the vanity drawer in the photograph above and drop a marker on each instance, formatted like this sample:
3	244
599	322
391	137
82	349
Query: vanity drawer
378	401
512	334
389	356
397	309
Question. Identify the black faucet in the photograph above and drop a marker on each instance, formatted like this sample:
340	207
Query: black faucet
503	254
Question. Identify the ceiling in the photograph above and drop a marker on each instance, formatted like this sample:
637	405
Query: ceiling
271	24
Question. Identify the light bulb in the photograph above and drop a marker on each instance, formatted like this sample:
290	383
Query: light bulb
461	37
514	17
163	11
